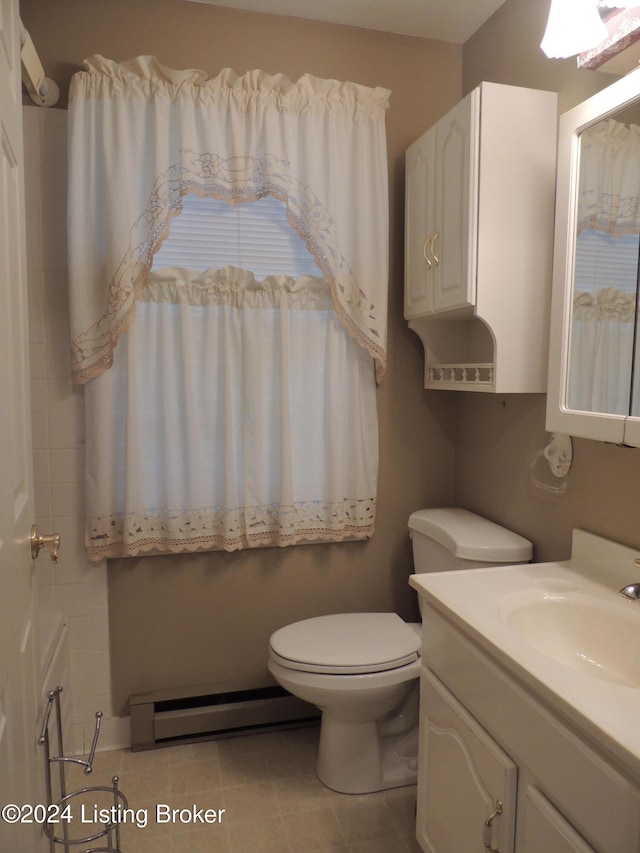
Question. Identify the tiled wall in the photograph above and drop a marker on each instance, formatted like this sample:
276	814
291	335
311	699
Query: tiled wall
74	587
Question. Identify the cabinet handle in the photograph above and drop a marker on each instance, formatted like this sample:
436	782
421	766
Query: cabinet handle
435	257
487	829
424	250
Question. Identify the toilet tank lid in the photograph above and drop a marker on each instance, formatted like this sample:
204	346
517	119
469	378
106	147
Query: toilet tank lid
471	537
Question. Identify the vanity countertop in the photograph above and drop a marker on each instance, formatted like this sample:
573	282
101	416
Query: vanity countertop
564	630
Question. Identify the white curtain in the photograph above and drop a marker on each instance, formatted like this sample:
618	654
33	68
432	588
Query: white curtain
235	412
601	351
142	136
609	188
605	278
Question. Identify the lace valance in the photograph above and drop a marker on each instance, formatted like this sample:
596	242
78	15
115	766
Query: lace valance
317	145
609	188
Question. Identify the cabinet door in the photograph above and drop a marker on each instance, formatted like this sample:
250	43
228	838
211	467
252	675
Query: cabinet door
542	827
454	245
464	778
419	226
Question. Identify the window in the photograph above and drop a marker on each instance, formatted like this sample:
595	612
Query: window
211	234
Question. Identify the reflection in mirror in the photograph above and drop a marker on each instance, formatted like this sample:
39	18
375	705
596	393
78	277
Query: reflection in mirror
605	285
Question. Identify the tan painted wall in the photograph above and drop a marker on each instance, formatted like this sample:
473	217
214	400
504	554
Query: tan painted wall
198	618
497	438
178	621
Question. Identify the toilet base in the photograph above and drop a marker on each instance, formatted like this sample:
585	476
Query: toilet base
354	759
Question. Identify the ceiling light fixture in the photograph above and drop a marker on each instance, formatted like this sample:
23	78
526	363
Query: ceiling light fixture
574	26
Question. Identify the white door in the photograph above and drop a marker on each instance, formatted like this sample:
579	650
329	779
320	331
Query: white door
21	759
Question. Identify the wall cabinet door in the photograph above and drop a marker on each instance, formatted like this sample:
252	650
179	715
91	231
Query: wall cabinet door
454	243
441	213
466	783
420	227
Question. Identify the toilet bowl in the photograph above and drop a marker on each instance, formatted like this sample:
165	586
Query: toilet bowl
362	669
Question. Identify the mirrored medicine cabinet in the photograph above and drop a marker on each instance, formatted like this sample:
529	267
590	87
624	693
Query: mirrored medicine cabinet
594	366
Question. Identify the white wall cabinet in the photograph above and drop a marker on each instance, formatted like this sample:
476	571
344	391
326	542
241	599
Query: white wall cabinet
485	737
478	240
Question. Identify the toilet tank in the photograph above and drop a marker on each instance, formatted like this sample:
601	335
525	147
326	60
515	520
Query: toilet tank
453	538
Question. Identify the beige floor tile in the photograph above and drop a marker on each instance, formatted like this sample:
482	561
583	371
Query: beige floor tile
292	759
253	801
266	793
150	845
138	784
209	839
241	764
366	818
402	806
259	836
301	792
313	830
195	777
396	844
144	775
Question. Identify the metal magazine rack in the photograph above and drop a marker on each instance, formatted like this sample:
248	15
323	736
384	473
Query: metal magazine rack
59	812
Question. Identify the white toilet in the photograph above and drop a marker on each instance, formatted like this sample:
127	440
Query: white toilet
362	669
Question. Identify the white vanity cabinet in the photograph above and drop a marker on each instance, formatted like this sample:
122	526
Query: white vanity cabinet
467	783
478	240
484	737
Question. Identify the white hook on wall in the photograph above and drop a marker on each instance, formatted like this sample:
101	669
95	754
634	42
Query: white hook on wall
559	455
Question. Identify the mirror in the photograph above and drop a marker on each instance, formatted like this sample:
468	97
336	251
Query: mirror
594	386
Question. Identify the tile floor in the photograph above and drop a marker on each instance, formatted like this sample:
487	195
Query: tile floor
267	787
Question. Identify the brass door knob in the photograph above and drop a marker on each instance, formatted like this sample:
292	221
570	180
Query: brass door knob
47	540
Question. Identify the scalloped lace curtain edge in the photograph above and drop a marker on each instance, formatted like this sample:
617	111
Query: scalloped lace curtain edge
318	145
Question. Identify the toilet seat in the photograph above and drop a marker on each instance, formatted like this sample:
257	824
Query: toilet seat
346	644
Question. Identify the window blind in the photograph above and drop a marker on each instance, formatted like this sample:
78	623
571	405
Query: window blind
604	260
254	236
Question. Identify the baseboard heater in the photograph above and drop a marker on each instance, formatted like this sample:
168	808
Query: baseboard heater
166	716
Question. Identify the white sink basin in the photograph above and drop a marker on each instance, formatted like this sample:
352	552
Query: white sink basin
559	627
581	631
